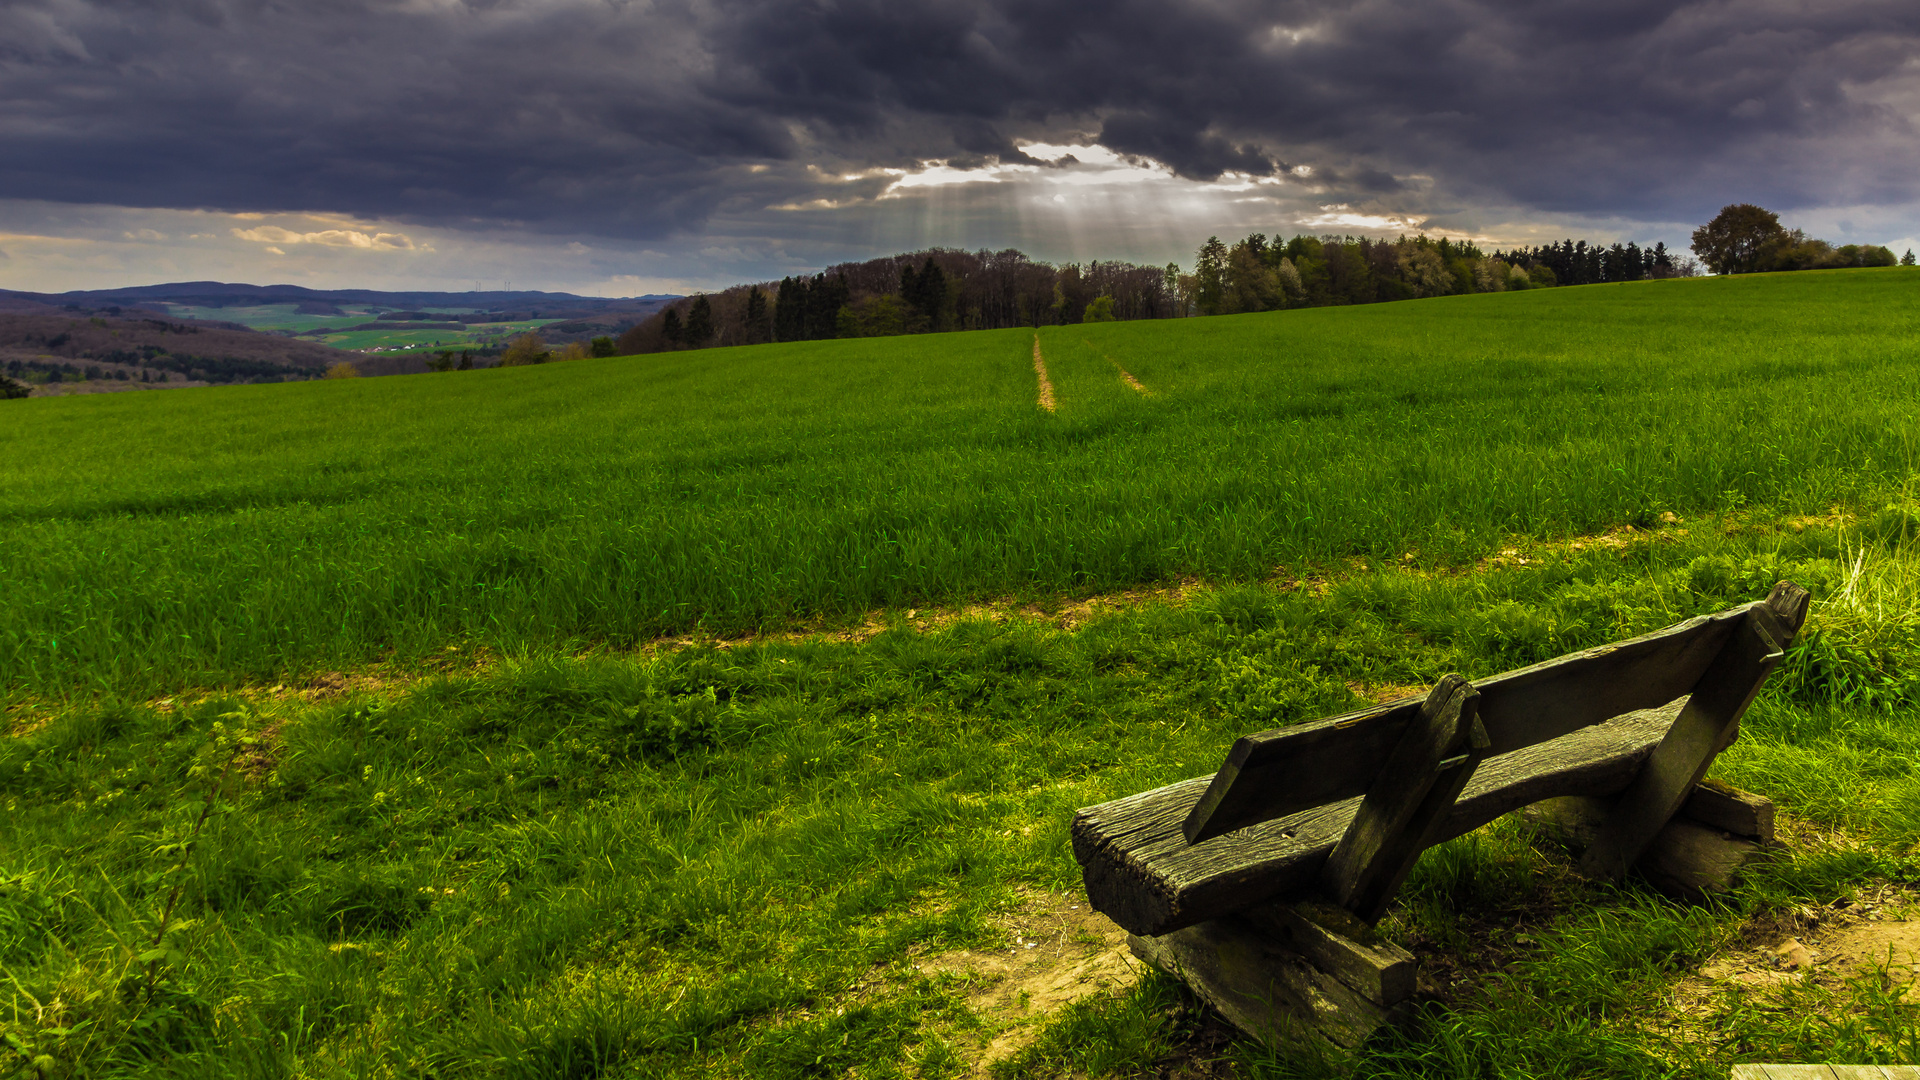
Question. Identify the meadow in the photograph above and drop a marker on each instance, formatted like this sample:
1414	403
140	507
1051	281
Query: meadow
252	534
340	741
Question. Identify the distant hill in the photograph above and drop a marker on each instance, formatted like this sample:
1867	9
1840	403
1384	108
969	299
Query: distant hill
225	294
64	352
581	317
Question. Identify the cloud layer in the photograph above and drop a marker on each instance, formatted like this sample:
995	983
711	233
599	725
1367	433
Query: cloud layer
640	120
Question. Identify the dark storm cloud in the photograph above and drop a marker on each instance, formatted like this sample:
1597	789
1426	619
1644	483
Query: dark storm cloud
640	119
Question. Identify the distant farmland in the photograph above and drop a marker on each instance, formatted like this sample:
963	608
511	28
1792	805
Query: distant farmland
154	541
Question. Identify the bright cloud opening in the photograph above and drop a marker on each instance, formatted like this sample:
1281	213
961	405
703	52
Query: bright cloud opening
344	238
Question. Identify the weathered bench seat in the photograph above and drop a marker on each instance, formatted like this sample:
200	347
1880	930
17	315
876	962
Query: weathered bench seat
1141	872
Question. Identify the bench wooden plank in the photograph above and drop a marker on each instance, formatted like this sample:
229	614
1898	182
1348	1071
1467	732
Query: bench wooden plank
1274	774
1331	939
1700	732
1826	1073
1261	988
1687	858
1140	870
1416	789
1730	810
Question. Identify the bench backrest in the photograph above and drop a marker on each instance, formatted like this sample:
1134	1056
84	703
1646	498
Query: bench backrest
1276	773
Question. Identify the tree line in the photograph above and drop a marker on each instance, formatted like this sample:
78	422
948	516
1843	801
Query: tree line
946	289
1747	239
919	292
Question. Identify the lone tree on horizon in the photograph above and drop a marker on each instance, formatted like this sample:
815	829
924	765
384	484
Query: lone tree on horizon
1734	241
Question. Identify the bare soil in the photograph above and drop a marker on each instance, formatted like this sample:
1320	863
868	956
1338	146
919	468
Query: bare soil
1055	950
1829	945
1040	369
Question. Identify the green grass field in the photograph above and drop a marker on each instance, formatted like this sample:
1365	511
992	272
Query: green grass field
328	752
256	533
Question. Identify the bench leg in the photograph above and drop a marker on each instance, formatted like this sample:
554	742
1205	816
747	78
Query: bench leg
1702	730
1279	986
1410	796
1704	849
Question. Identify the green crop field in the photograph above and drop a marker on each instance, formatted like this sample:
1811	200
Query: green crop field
478	334
272	317
379	726
256	533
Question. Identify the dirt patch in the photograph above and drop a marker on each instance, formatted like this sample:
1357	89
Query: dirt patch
1384	692
1063	613
1040	369
1827	945
1834	518
22	722
1055	950
1870	946
257	758
335	684
1621	540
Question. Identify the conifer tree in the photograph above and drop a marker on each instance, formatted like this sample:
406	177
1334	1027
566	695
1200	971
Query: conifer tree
790	311
825	297
699	321
1210	276
909	286
929	296
759	328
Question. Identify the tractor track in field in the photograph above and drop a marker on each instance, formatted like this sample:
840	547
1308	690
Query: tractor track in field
1125	375
1040	369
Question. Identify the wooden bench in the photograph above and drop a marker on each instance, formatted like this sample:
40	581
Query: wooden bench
1826	1073
1259	884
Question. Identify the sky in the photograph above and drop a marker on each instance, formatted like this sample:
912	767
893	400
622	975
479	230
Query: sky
622	147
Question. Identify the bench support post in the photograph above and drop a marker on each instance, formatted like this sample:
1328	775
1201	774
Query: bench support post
1411	795
1707	725
1281	971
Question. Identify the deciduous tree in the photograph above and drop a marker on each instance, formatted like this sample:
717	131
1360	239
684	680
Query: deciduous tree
528	348
1737	238
1250	285
1424	271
